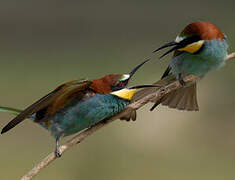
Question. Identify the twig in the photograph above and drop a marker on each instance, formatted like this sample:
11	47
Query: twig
134	106
230	56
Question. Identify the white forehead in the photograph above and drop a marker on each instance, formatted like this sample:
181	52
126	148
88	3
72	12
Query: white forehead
178	39
125	77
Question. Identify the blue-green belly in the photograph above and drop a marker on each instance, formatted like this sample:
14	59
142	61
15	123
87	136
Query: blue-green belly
85	113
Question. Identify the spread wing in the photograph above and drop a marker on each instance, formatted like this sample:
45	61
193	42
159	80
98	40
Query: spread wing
52	101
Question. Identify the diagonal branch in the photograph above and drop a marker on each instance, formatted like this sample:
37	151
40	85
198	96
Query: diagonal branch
134	106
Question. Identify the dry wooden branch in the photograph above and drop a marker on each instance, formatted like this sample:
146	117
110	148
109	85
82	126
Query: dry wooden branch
230	56
134	106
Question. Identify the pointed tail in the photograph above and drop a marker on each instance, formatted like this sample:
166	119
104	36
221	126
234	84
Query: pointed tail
184	98
10	110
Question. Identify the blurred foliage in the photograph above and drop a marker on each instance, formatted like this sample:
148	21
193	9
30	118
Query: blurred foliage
44	43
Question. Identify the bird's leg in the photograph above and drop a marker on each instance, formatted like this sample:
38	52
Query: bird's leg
57	151
181	80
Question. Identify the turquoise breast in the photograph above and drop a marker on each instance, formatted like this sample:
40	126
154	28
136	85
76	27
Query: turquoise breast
210	57
85	113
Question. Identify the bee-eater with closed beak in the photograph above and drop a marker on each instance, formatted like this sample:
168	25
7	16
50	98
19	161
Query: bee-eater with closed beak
198	49
77	105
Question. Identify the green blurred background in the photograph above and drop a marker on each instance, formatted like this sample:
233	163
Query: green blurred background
45	43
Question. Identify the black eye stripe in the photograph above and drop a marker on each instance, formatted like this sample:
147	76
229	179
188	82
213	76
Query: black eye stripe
188	41
119	85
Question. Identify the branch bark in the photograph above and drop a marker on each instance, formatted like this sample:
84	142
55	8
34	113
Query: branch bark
134	106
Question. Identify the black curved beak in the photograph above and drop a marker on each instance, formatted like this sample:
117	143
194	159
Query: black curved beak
125	83
173	43
137	68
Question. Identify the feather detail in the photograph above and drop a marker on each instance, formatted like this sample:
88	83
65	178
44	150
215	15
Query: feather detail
183	99
47	101
67	94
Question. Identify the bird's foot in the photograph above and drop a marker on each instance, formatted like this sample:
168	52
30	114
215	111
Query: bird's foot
57	149
57	153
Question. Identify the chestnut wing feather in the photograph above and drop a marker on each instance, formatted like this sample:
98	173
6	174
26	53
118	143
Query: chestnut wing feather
58	96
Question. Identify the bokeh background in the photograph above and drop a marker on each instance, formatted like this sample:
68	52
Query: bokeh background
45	43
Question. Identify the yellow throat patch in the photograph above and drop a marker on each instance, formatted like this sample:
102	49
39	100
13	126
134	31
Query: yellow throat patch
192	48
125	93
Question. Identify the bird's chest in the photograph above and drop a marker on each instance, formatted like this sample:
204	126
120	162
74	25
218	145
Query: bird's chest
209	58
85	113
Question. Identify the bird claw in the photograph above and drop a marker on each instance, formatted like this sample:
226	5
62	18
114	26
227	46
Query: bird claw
57	150
57	153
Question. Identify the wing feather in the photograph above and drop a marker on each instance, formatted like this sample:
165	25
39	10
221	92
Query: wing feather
54	99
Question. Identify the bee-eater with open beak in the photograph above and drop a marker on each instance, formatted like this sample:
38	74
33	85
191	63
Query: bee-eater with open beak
77	105
198	49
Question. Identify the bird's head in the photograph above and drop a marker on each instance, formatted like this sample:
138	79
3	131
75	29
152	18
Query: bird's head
114	82
193	37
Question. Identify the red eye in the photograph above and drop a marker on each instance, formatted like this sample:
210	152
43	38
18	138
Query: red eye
121	83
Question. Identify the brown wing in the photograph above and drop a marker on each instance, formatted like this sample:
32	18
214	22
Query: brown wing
68	92
53	100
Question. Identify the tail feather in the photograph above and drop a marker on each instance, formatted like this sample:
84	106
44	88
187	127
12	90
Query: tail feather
171	100
10	110
182	99
182	102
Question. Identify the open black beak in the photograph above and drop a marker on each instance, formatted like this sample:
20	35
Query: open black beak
178	45
136	68
173	43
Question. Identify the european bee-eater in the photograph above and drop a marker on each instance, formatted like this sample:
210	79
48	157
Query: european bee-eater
77	105
198	49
